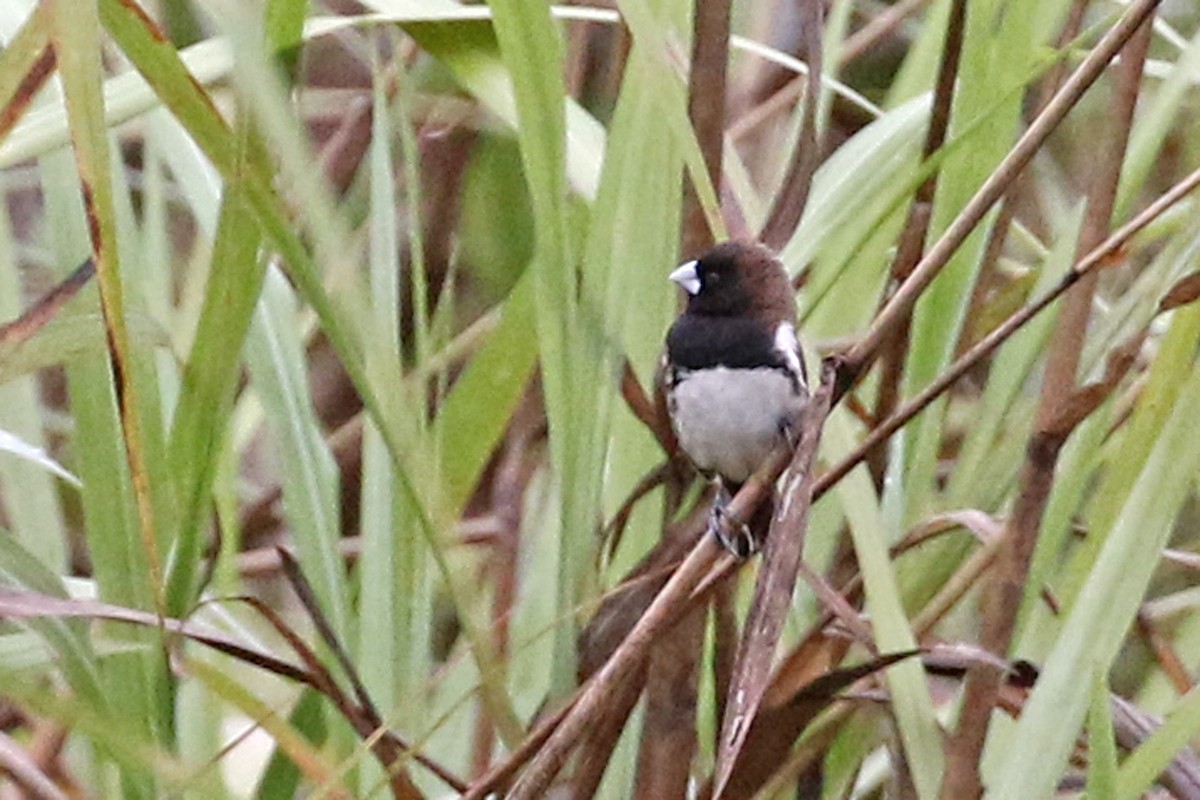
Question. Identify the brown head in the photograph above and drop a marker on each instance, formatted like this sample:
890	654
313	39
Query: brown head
737	278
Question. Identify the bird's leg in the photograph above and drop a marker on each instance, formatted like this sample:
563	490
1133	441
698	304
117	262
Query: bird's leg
733	534
789	429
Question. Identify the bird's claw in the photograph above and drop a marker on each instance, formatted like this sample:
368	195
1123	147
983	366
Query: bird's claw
733	534
790	431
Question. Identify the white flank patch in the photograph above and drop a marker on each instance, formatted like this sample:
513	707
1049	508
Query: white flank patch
789	346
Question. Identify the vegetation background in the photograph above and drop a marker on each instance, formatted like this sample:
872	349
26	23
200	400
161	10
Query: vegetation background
383	283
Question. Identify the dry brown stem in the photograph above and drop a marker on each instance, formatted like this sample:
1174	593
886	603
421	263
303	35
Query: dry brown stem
916	226
1098	258
1002	598
793	196
901	303
706	110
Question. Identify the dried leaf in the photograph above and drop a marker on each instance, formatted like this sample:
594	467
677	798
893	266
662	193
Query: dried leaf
308	598
23	604
363	715
600	740
1185	290
29	47
615	529
776	728
1088	398
982	525
701	570
624	605
669	731
1182	558
35	318
1133	726
650	412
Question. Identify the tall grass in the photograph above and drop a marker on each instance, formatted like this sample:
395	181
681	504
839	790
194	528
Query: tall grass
384	285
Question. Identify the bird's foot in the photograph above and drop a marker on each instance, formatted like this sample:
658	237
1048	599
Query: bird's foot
733	534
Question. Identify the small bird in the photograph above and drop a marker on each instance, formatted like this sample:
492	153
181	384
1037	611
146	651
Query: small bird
733	375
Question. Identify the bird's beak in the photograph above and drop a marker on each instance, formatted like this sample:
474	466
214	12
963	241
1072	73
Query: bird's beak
685	275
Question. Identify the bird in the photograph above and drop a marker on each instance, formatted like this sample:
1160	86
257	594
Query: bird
733	376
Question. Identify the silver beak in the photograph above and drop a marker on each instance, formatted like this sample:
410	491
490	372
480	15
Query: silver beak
685	275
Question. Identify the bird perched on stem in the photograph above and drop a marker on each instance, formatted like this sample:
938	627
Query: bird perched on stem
733	375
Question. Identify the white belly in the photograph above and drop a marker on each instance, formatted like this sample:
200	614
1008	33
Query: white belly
729	420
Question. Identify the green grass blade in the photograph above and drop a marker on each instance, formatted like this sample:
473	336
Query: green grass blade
67	639
1000	48
209	381
30	502
1102	746
275	356
911	701
1105	607
474	415
530	46
1152	757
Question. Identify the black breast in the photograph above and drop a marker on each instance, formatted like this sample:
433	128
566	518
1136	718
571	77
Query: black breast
697	342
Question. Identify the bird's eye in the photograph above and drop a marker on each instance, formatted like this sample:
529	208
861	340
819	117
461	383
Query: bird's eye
712	278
